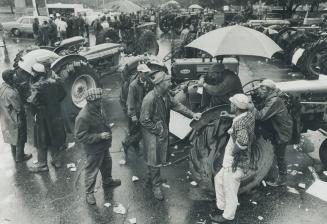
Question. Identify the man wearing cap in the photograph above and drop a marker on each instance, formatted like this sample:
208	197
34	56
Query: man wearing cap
236	160
154	118
278	122
12	117
93	132
49	131
219	85
138	88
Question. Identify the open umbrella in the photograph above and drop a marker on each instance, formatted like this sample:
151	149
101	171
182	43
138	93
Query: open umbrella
124	6
236	40
195	6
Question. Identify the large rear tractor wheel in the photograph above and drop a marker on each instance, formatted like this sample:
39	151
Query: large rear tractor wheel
78	76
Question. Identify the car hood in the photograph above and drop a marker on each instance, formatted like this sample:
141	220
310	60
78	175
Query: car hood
7	24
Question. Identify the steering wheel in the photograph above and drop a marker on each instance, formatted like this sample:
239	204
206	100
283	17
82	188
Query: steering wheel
249	88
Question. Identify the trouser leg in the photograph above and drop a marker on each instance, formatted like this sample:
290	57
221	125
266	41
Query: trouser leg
231	184
13	151
42	154
220	197
92	167
134	136
154	174
20	151
280	151
106	168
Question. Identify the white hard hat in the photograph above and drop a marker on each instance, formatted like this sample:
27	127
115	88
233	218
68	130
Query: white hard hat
268	83
143	68
241	101
39	68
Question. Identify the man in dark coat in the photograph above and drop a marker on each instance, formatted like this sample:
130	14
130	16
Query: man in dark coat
278	122
36	31
218	86
155	114
49	132
138	88
12	117
92	130
53	32
44	34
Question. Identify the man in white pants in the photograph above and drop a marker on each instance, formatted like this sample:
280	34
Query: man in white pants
236	159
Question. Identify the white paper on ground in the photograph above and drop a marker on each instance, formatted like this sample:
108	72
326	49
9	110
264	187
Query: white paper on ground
135	178
318	189
179	125
107	204
122	162
132	221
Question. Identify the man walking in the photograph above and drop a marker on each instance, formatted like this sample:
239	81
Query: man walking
138	88
236	160
154	118
93	131
278	122
12	117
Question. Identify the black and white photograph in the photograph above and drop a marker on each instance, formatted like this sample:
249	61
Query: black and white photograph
163	111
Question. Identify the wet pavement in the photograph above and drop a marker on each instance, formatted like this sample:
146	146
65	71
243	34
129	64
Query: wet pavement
58	196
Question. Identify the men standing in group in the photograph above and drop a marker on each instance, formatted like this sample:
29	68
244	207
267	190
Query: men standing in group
12	117
138	88
218	86
53	33
49	132
154	118
278	122
92	130
236	160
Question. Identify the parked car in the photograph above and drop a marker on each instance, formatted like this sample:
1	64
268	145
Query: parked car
23	25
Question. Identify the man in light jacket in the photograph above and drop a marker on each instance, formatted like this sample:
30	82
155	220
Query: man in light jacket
155	114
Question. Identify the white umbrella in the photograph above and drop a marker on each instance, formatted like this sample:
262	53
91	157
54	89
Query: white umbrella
124	6
236	40
195	6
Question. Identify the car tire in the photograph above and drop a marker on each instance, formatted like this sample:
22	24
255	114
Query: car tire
16	32
323	152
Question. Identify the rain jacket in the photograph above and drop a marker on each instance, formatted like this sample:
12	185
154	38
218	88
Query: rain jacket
12	114
218	94
277	118
155	115
49	127
89	125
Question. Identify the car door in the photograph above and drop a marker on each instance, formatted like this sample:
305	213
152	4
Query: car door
26	25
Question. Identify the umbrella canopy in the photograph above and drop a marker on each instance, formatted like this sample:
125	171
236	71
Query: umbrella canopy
195	6
171	4
236	40
124	6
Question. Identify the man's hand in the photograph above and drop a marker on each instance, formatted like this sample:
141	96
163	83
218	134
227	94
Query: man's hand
197	116
225	114
201	82
105	135
134	119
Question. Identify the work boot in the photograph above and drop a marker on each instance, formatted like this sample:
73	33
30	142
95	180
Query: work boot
39	167
112	183
220	219
158	193
280	181
217	212
25	158
90	199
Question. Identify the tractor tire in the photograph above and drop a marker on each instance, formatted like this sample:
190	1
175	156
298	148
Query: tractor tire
147	42
323	152
310	57
77	76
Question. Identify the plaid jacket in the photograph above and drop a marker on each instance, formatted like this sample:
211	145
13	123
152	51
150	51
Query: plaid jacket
243	136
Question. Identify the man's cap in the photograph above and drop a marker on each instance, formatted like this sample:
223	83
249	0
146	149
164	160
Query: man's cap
218	67
7	76
93	94
51	16
160	77
39	68
57	14
143	68
241	101
268	83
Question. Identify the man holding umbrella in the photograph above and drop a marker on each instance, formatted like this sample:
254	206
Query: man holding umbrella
155	114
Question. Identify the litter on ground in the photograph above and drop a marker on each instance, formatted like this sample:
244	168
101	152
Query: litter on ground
193	183
73	169
135	178
107	204
122	162
260	218
120	209
165	185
